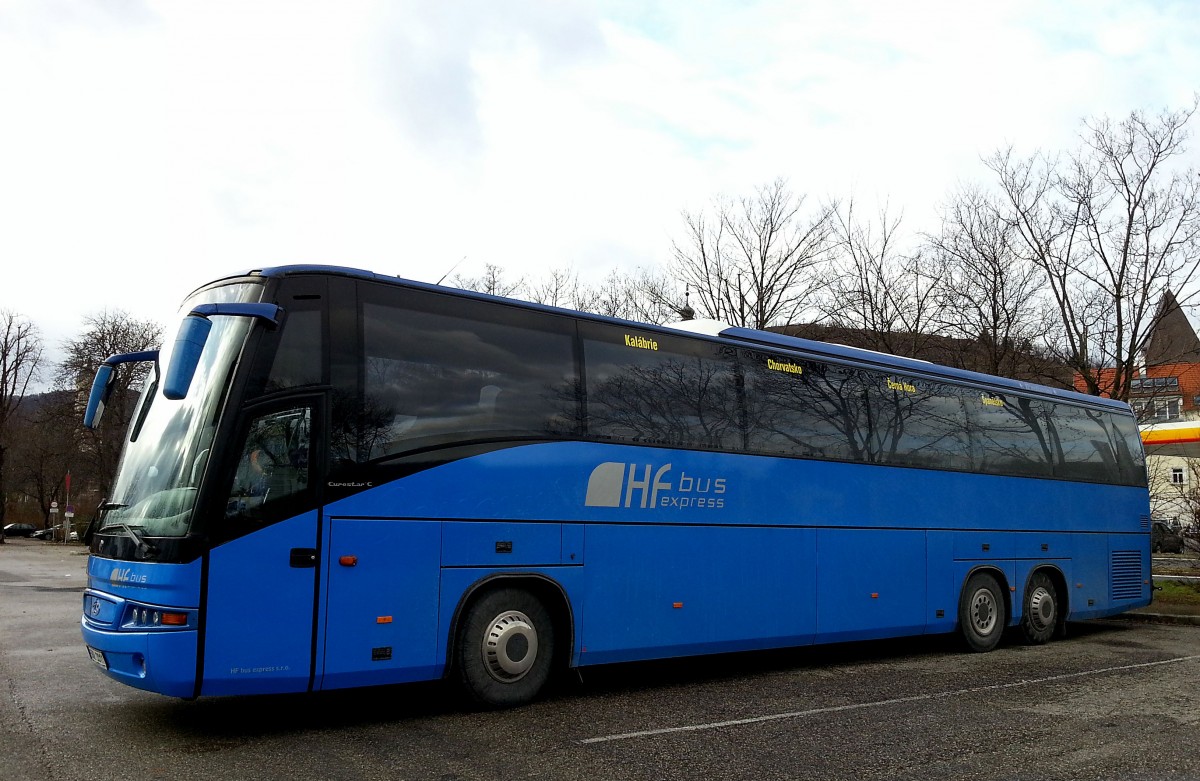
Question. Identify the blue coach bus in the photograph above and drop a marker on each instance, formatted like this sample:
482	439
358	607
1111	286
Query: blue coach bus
335	478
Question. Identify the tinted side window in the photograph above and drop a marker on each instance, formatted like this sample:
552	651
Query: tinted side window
919	423
797	407
1015	435
294	354
647	388
1092	447
440	370
298	358
1128	445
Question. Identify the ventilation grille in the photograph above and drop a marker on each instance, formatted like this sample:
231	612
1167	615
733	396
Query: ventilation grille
1126	574
1145	519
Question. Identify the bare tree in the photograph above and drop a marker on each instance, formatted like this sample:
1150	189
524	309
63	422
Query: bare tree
562	288
645	295
1112	226
990	295
42	453
873	288
492	282
20	359
108	333
751	262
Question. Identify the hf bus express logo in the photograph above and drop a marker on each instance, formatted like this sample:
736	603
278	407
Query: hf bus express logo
617	484
125	577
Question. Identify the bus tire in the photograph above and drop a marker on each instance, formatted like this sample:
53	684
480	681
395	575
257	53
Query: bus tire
505	648
981	613
1039	617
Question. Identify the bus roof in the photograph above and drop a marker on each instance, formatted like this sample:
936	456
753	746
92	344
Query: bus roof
744	336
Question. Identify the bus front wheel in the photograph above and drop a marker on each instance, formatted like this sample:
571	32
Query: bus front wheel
981	612
505	648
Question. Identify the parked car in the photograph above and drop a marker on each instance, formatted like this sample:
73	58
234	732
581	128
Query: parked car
43	534
19	530
1164	539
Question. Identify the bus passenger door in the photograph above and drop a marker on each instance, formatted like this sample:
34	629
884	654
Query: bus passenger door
381	609
261	574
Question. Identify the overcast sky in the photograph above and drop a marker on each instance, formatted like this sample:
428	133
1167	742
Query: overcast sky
148	147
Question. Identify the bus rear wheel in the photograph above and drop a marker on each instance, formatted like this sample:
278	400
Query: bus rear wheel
505	648
1039	618
981	612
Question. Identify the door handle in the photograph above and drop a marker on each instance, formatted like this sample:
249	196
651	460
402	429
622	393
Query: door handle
303	557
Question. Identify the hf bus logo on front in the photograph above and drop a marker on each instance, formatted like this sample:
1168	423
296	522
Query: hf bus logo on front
617	484
126	577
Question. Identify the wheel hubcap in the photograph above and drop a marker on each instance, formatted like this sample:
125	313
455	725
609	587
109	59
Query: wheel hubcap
510	646
1041	608
983	611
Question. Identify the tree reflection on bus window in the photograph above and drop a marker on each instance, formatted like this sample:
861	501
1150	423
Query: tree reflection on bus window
665	392
1016	435
805	408
918	422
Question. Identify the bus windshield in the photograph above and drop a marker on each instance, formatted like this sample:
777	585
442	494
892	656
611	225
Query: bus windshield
164	459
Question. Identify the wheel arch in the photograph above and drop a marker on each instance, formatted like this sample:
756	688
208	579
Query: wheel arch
1059	580
549	591
1001	579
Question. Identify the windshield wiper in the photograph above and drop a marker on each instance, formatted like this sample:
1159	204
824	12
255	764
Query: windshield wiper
98	518
145	548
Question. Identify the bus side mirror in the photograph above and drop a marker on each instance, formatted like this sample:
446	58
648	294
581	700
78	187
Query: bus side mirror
189	343
101	389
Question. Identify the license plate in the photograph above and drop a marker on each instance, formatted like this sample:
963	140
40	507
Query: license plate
98	657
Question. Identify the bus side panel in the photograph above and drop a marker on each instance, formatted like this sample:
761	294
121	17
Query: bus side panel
664	591
258	620
871	583
381	605
1088	576
490	544
943	583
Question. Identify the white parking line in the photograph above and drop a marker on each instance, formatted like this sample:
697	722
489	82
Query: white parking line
877	703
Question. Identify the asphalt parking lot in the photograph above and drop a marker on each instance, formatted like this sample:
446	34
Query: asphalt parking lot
1115	700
